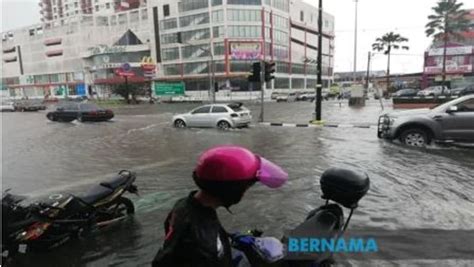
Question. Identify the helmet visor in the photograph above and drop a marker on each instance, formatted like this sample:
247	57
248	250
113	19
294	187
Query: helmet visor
271	174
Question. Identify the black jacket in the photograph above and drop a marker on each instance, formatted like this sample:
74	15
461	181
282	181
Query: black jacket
194	237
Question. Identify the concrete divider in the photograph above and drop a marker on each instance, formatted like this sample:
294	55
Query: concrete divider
325	125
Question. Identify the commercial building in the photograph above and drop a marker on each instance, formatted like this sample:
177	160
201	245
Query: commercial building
75	59
459	60
79	54
241	32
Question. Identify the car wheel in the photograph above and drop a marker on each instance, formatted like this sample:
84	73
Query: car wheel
80	118
415	137
223	125
51	117
179	123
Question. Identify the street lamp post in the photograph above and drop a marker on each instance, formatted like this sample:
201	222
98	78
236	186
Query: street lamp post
355	42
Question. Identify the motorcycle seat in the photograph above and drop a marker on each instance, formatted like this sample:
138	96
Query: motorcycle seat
115	182
95	194
322	222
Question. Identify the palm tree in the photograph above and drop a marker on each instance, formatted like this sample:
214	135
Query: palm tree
386	43
448	21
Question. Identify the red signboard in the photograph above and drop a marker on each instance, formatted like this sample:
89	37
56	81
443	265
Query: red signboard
121	72
449	69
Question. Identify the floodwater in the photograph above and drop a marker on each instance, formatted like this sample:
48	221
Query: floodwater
417	196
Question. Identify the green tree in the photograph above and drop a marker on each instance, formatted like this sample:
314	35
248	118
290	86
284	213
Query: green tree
387	43
128	91
446	24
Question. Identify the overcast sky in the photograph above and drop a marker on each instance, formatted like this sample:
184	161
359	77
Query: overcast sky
376	17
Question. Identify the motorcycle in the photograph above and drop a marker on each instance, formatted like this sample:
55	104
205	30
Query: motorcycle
50	221
344	188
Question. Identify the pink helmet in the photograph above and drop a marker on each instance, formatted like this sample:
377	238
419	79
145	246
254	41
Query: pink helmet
234	164
226	172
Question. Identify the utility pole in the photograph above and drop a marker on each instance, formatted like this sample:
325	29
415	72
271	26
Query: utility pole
262	88
368	72
355	42
319	83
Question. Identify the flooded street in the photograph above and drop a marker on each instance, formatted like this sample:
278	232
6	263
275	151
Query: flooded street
411	189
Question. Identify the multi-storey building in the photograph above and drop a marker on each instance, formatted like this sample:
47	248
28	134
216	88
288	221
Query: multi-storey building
239	33
77	58
61	11
218	37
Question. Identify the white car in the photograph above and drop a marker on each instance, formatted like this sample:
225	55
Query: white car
290	97
434	91
222	116
7	106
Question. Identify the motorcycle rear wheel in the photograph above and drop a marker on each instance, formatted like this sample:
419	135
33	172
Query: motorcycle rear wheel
115	211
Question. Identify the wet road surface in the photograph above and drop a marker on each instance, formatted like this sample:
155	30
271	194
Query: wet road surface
411	190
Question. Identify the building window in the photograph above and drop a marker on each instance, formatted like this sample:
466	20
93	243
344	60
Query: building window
77	11
283	5
196	68
302	15
171	70
194	51
134	17
188	5
76	4
166	10
219	49
144	14
107	5
113	20
195	35
244	15
245	31
170	53
168	24
96	8
216	2
191	20
170	38
245	2
122	19
217	16
65	7
218	31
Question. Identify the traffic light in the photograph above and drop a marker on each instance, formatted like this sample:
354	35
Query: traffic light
255	72
269	71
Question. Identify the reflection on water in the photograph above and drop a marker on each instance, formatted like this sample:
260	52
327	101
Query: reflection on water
411	188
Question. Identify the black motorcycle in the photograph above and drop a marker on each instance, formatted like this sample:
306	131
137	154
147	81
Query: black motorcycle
343	187
47	222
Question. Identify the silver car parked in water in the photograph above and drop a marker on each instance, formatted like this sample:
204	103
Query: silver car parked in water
222	116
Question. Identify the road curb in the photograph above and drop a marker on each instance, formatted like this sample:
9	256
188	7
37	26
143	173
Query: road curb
309	125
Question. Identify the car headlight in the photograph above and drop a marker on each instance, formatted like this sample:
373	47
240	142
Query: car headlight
391	120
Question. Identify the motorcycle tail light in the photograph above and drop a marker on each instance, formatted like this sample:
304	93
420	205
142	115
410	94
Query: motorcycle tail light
35	231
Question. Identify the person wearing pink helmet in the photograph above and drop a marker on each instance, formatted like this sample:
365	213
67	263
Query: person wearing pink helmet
194	235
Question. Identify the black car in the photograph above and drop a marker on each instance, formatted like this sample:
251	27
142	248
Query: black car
80	111
405	93
469	90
